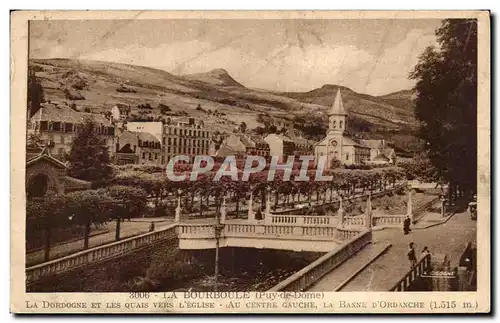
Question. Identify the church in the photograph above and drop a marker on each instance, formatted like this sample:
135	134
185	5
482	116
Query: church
336	145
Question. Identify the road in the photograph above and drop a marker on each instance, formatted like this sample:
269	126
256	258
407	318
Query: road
449	238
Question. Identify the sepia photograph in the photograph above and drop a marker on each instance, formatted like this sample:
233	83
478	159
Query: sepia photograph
263	161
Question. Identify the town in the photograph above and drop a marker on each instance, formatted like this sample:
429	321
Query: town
139	180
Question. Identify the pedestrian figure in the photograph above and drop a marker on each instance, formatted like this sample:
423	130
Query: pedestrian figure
412	257
406	225
425	252
258	214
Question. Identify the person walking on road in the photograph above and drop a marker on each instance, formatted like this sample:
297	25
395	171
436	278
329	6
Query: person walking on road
406	225
425	252
412	257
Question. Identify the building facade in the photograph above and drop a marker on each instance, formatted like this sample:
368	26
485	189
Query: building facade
186	138
380	153
120	112
336	145
280	145
134	147
56	125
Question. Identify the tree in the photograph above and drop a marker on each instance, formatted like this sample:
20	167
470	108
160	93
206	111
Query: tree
89	157
35	93
446	102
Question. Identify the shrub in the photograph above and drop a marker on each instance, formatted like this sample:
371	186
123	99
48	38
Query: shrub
124	89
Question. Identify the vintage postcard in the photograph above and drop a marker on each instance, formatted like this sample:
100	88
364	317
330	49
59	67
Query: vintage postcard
250	162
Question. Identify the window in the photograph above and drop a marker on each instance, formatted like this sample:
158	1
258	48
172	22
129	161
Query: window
347	156
334	124
163	140
175	131
168	149
169	141
140	143
340	124
156	156
149	155
175	141
143	155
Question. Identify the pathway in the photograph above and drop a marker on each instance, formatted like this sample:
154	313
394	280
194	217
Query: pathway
334	280
449	238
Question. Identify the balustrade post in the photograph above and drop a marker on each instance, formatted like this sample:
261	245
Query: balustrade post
268	203
340	213
251	214
409	205
223	211
368	214
178	210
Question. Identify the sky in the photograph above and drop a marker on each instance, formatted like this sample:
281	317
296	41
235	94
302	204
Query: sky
368	56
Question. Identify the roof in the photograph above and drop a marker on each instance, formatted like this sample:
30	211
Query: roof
389	152
44	155
373	144
381	157
145	136
259	140
284	138
63	113
123	107
73	184
337	107
346	141
248	142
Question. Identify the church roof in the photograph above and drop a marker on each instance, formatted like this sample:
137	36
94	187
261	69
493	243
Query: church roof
337	107
346	141
374	144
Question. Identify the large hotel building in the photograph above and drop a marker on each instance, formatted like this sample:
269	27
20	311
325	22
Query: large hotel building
185	138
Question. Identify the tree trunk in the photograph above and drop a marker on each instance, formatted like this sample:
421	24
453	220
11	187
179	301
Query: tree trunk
117	233
237	209
86	234
46	251
201	205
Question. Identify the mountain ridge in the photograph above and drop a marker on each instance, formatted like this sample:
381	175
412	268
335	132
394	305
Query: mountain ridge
97	85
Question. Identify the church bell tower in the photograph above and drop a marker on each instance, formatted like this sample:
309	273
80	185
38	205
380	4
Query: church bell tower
337	122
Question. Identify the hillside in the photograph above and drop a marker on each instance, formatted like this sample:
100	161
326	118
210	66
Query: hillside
218	99
218	77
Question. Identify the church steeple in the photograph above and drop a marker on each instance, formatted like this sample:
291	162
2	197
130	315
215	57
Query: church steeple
337	107
337	116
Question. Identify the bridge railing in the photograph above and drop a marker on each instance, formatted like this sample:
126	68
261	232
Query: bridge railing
300	220
96	254
404	283
310	274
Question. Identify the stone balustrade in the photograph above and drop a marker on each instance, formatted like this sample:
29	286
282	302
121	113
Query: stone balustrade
96	254
300	220
310	274
387	220
421	267
355	221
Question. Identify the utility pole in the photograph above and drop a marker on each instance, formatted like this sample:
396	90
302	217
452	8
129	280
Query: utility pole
218	230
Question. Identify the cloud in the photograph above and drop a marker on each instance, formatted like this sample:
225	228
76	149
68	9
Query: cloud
391	69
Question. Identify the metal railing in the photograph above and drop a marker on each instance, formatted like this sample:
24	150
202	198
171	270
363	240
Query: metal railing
422	266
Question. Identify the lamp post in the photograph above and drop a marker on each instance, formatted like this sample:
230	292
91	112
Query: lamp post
218	230
443	201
